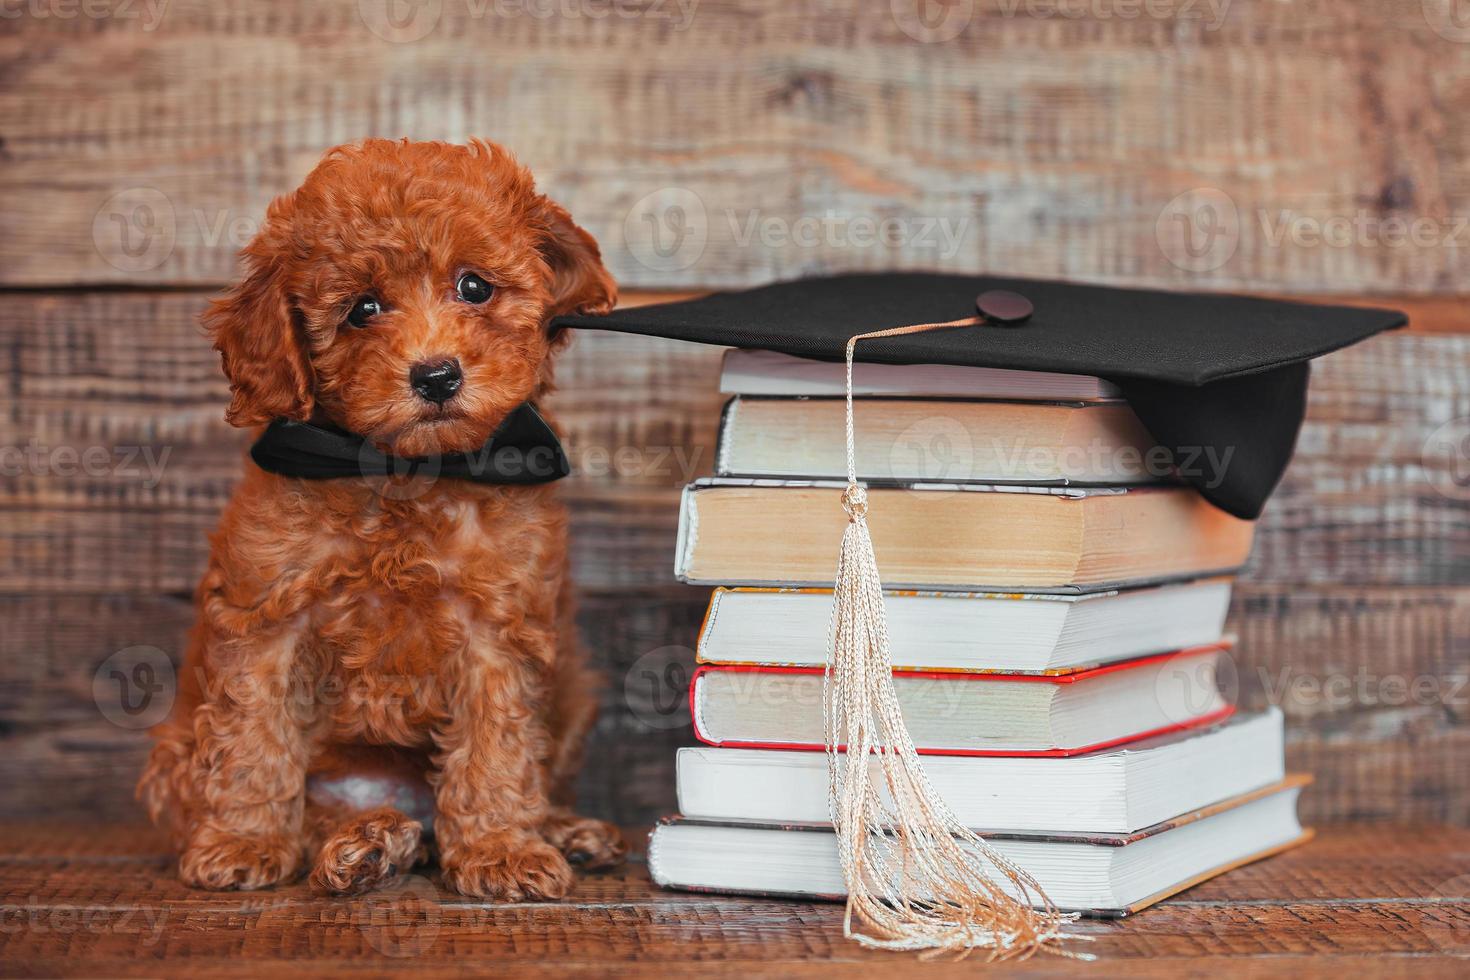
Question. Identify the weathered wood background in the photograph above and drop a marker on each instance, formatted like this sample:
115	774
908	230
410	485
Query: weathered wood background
1279	147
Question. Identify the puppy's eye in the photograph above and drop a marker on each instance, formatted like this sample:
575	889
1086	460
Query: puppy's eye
363	310
473	289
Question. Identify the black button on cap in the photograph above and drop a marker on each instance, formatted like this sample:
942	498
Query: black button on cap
1003	306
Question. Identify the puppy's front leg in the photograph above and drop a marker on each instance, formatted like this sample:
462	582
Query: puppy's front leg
248	763
490	787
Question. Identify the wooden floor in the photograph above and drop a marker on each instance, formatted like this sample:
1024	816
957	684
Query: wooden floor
103	901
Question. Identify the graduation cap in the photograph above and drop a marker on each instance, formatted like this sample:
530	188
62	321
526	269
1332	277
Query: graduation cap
1205	373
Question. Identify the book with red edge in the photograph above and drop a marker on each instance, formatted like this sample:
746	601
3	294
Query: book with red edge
974	713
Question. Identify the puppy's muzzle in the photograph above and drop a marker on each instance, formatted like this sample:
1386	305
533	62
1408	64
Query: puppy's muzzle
436	381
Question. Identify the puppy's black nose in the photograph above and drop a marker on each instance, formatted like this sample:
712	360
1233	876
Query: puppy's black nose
436	381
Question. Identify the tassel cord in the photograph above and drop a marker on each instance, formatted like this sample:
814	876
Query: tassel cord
917	879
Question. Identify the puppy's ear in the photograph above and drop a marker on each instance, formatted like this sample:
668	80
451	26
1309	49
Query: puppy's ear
579	282
261	345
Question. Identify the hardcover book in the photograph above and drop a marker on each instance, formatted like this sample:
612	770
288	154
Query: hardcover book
968	537
1114	791
1105	875
764	372
960	713
1001	631
1034	443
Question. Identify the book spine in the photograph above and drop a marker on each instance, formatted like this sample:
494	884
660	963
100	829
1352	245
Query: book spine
688	535
711	615
722	441
1221	714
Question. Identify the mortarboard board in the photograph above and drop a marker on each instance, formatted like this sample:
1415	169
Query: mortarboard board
1205	373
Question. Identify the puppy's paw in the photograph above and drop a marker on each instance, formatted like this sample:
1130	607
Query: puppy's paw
222	861
513	867
591	844
370	848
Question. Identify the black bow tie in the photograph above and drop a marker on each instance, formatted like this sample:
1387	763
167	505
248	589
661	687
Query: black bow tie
522	450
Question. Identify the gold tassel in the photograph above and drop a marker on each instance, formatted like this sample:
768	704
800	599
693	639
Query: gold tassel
917	879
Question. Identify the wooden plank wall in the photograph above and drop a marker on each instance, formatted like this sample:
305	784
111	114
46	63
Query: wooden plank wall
1290	148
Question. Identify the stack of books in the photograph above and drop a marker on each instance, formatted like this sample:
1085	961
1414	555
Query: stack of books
1056	607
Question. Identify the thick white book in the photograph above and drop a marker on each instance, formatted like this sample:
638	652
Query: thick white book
1115	791
758	372
1108	875
1004	631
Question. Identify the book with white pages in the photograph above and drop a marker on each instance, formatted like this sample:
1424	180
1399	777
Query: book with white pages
1114	791
1104	875
1030	443
1011	632
762	372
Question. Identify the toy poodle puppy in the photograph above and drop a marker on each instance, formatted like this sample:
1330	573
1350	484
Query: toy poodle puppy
366	642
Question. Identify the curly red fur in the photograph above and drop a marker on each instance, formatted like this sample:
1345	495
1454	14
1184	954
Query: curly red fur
404	624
